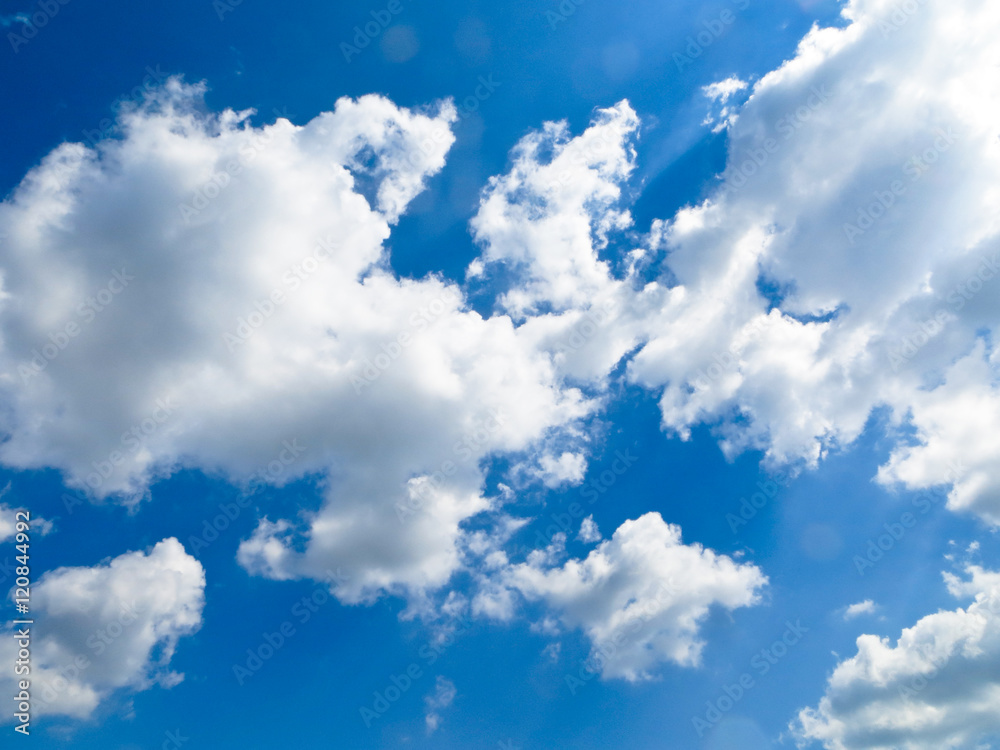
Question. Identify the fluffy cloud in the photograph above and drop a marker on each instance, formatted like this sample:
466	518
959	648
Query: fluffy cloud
843	263
542	218
957	441
543	227
107	628
846	259
640	596
937	687
203	293
175	259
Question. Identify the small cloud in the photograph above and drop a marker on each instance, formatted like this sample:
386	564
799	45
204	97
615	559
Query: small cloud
722	90
866	607
8	520
719	93
552	650
568	468
546	626
589	532
442	697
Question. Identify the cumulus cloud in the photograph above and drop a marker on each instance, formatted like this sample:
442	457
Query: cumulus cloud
936	687
204	293
175	258
547	217
640	596
957	442
844	261
112	627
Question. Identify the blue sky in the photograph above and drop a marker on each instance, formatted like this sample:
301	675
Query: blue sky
633	369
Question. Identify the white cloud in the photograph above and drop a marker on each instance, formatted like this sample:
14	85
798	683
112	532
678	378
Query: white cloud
442	697
866	607
876	117
202	293
883	316
722	90
640	596
589	533
719	93
958	442
9	520
107	628
547	217
205	294
937	687
567	468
